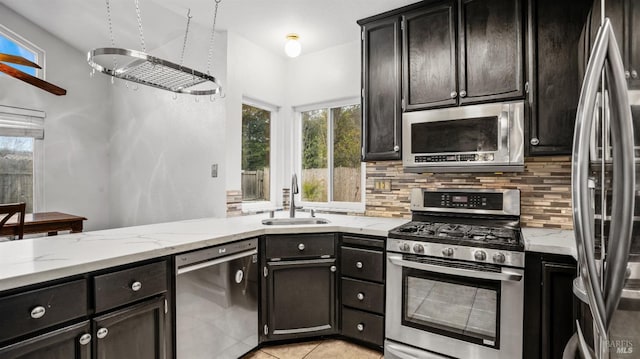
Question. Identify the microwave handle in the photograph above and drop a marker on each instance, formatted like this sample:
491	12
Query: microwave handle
504	123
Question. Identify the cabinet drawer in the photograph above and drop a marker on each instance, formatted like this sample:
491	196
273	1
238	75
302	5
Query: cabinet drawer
115	289
362	264
363	295
300	246
363	326
41	308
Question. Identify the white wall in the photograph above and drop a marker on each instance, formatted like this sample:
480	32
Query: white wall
162	149
76	144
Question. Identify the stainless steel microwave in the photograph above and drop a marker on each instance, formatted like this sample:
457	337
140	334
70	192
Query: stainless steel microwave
477	138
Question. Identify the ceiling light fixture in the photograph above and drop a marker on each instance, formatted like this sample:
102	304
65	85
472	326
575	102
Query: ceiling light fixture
292	47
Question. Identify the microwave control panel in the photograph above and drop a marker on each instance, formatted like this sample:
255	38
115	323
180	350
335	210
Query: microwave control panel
484	157
490	201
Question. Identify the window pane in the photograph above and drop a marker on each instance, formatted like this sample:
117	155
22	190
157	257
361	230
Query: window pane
314	156
256	125
16	170
8	46
346	154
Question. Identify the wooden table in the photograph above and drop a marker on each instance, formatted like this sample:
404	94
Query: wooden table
45	222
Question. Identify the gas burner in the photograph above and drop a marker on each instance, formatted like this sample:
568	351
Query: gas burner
453	230
495	235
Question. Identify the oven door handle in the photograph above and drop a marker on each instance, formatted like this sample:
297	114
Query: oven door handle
502	276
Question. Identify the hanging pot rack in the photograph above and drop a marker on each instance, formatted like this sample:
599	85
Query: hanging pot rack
145	69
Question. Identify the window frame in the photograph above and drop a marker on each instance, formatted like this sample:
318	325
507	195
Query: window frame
30	46
34	121
255	206
330	204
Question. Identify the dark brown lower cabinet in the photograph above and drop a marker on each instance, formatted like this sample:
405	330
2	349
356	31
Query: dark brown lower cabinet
137	332
300	299
550	308
72	342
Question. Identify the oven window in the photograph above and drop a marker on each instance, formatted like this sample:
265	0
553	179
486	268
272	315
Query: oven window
464	135
457	307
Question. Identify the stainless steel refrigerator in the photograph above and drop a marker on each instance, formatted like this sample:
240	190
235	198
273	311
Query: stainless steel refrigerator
606	187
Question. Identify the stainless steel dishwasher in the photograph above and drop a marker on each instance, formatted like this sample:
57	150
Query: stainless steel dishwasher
217	301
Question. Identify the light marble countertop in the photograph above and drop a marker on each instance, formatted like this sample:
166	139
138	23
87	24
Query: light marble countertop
554	241
36	260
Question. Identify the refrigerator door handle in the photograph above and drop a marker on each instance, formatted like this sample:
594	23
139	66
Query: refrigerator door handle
623	197
578	345
582	215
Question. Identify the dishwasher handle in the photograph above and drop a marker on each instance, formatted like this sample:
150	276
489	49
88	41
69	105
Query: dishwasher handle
190	268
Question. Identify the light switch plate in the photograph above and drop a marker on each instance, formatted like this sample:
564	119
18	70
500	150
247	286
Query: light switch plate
214	170
380	184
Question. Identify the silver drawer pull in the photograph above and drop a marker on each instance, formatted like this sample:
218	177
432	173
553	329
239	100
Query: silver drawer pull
463	93
38	312
136	286
359	265
360	296
301	246
333	268
85	339
360	327
102	332
453	94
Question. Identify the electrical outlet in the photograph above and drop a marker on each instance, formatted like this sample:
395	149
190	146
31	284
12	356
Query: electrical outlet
214	170
382	184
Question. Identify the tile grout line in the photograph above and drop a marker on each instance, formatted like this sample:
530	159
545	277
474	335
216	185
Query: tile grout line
311	351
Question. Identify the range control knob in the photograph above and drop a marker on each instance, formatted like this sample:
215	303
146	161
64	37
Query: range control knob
405	247
418	248
447	252
480	255
499	257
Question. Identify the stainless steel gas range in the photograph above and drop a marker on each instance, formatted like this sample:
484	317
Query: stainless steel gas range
455	284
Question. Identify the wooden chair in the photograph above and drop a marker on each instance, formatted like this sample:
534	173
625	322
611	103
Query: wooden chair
9	210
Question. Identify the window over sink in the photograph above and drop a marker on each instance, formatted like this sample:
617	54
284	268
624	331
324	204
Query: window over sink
331	173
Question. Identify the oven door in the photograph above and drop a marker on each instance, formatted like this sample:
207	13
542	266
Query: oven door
454	308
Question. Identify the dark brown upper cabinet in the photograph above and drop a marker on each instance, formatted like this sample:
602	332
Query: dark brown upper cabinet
460	52
554	34
381	93
429	53
625	19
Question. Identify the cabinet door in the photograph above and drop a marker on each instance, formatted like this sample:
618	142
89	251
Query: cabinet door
633	43
137	332
72	342
429	57
491	52
558	310
381	94
301	298
556	29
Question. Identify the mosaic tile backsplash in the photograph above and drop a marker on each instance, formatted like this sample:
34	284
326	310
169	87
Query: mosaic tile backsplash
545	189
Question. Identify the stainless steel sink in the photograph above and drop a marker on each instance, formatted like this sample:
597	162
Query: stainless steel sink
293	221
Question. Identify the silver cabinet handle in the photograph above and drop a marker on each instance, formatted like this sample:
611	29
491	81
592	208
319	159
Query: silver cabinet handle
396	148
333	268
634	74
359	265
454	94
463	93
102	332
136	286
360	327
360	296
85	339
627	74
38	312
534	141
301	247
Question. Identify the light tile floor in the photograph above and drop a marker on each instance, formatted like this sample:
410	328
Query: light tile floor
332	348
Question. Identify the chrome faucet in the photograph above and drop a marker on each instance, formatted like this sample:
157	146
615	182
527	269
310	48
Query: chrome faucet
294	191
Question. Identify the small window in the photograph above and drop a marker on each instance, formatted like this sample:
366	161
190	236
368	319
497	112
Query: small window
16	170
12	44
330	155
21	132
256	150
